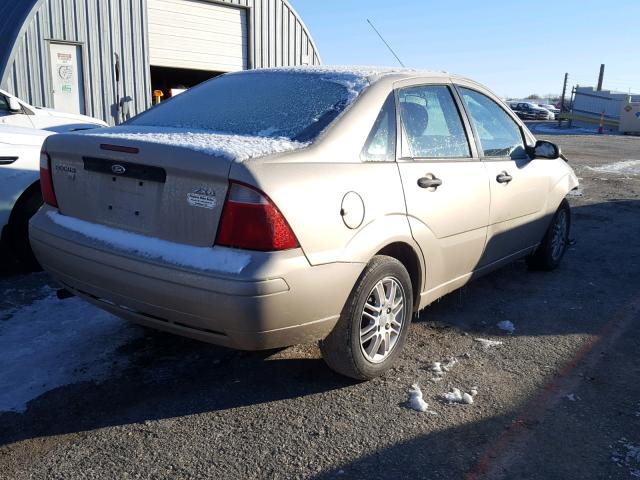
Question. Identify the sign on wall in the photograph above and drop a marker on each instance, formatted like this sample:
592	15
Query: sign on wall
66	77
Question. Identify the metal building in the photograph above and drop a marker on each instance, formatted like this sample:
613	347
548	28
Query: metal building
104	58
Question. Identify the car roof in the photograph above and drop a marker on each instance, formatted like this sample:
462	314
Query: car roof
371	73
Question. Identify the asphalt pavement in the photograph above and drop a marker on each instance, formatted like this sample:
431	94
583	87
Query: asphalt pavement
558	398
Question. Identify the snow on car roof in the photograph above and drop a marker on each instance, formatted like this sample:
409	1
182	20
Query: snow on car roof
371	73
194	131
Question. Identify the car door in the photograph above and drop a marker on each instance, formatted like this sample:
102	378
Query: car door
445	184
519	185
9	117
19	168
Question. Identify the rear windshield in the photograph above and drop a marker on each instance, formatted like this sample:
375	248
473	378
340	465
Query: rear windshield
297	106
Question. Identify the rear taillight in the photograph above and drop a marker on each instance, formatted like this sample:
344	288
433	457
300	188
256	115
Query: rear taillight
251	221
46	181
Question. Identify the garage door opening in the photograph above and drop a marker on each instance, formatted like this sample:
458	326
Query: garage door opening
176	79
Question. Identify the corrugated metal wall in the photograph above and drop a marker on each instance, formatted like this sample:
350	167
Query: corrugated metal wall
103	27
278	37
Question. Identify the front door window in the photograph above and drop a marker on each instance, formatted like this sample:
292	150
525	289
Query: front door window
499	134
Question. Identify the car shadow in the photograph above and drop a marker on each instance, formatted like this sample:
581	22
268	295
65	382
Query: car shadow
169	376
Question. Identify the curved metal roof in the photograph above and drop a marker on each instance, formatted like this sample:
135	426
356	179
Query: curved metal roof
15	16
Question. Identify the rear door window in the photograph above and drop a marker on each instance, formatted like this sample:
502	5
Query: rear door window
499	134
381	144
432	124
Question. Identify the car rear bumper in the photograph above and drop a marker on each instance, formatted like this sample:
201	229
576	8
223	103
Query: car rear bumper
278	300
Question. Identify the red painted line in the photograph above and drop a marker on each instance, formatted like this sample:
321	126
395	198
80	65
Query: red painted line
534	410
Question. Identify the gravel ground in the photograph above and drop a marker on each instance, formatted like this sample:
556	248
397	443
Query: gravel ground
564	384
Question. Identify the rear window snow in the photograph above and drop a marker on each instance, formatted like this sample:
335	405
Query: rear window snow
294	105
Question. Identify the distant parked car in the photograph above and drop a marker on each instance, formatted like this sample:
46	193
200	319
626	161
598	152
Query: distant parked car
20	195
17	113
551	108
531	111
328	204
523	114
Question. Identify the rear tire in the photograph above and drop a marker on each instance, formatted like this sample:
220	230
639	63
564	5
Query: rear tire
554	244
374	323
18	229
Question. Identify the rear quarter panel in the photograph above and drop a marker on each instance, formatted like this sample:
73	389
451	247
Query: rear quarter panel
310	197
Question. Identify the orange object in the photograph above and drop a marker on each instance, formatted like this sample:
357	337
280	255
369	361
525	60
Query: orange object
157	95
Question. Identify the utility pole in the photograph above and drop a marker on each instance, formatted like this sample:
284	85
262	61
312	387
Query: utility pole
564	92
600	78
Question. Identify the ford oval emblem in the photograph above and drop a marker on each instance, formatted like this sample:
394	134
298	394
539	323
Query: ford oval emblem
118	169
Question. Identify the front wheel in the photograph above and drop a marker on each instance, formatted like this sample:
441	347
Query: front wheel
549	253
374	323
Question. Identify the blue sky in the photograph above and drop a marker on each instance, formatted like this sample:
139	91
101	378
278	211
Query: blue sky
514	47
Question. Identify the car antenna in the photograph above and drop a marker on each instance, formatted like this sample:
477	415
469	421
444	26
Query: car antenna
385	42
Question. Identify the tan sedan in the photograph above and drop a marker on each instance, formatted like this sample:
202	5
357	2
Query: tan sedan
267	208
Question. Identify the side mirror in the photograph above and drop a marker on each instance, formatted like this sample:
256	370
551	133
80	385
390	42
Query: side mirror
544	149
14	105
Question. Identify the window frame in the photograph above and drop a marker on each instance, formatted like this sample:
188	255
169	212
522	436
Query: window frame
526	140
402	138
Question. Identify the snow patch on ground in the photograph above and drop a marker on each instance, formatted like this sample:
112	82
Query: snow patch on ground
416	402
627	455
217	259
507	326
440	368
576	192
487	343
52	343
625	167
233	147
457	396
553	129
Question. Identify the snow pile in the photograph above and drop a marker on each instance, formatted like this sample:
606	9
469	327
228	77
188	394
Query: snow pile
416	402
233	147
216	259
52	343
553	129
625	167
440	368
487	343
507	326
457	396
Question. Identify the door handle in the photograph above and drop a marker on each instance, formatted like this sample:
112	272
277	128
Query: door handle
504	177
429	182
7	160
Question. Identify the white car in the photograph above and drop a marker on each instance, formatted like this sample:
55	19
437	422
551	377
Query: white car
551	108
18	113
20	196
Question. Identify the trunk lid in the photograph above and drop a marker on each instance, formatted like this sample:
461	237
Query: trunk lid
161	190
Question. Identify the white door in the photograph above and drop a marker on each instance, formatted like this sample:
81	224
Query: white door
66	77
197	35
